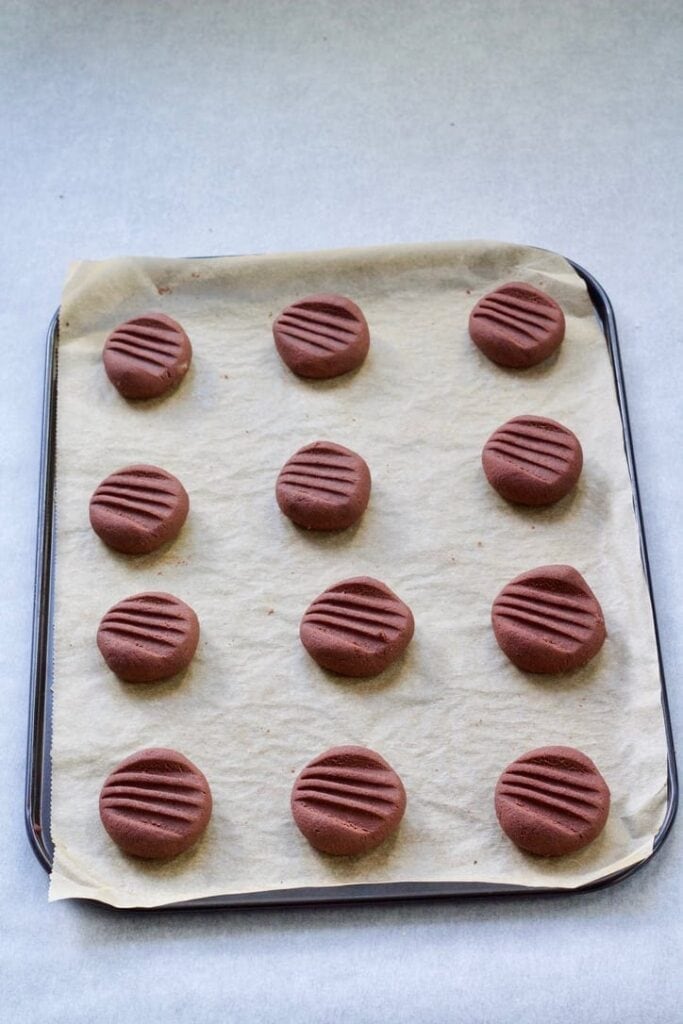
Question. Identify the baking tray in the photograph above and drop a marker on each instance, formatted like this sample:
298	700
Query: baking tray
37	793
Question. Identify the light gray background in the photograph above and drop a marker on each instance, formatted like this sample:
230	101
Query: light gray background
176	128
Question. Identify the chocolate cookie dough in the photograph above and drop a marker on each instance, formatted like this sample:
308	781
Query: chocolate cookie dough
548	620
147	356
347	801
357	628
322	336
552	801
324	486
532	460
148	637
156	804
138	508
517	325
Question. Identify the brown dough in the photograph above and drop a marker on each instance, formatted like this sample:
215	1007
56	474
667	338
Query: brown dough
322	336
137	509
517	325
324	486
148	637
357	627
548	620
147	356
156	804
532	460
347	801
552	801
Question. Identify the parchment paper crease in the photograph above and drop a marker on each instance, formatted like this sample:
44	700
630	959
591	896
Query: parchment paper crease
253	708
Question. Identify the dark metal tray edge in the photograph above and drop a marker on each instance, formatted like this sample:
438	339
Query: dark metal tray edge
37	790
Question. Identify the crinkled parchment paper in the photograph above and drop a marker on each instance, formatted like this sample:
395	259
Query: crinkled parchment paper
253	708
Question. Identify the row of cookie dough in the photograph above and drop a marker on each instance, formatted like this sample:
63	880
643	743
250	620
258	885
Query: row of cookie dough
546	621
347	801
325	336
530	460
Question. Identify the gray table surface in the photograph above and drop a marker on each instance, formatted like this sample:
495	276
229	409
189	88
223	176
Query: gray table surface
176	128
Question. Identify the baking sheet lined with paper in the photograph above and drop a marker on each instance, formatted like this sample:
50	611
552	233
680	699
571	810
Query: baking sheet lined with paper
253	708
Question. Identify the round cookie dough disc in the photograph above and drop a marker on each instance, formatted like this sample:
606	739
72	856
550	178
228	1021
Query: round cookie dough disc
156	804
324	486
137	509
552	801
347	801
548	620
322	336
148	637
357	627
517	325
147	356
532	460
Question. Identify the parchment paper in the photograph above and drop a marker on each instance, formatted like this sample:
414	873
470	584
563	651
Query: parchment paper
253	708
